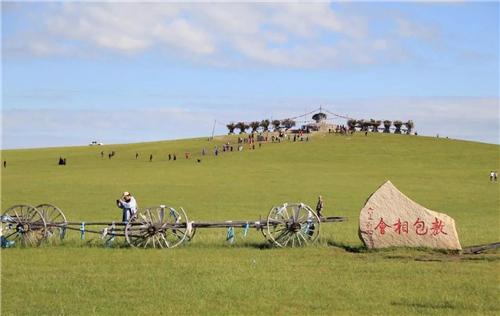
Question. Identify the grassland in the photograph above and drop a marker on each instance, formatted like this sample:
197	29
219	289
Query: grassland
209	276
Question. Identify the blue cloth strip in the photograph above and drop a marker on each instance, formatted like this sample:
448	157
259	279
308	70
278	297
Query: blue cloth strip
230	234
245	229
82	231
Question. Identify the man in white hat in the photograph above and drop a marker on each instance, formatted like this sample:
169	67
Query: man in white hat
128	205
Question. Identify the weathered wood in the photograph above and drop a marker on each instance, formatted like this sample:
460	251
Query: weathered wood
154	232
481	248
225	224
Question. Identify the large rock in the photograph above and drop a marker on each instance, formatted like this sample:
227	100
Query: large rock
389	218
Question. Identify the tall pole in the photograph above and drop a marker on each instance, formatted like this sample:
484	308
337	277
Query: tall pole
213	130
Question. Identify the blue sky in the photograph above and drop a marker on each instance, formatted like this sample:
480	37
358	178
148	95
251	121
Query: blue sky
130	72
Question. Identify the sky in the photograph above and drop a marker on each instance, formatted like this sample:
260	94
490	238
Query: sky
74	72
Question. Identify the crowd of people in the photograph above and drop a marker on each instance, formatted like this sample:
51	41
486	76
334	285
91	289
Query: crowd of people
341	129
251	142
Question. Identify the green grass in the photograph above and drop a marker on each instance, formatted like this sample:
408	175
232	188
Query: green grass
208	276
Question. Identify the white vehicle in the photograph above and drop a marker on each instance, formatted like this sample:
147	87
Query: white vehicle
95	143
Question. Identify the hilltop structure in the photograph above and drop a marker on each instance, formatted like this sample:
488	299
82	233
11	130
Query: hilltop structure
320	123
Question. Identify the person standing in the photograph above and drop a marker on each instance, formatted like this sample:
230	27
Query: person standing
492	175
320	206
128	204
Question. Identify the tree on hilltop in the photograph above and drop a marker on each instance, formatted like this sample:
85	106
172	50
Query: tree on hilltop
265	124
351	123
276	125
231	126
409	126
366	126
254	125
359	123
375	125
397	125
288	123
387	126
242	126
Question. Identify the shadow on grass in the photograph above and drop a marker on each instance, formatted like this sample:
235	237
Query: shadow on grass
432	305
349	248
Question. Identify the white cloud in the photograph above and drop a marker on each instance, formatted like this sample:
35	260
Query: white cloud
409	29
182	35
304	35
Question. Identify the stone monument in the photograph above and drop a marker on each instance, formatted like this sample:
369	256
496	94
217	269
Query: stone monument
391	219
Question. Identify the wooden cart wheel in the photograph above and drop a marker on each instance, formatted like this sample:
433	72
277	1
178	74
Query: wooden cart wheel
157	227
55	220
292	225
22	225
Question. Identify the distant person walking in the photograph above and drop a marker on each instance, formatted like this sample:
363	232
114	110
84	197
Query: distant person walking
102	154
136	156
150	157
128	204
169	157
175	157
5	163
492	175
320	206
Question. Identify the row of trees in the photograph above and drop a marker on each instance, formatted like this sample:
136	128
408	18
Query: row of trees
374	125
263	125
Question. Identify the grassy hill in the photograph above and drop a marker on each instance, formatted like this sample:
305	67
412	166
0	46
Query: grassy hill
208	276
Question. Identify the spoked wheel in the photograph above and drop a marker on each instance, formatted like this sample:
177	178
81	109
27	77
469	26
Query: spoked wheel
55	219
292	225
22	225
157	227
